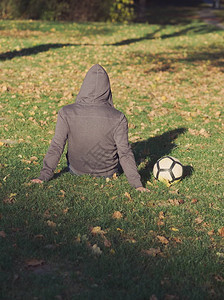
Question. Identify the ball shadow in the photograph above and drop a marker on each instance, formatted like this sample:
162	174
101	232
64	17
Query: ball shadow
154	148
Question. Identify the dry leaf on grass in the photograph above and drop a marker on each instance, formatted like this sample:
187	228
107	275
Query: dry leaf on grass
221	231
211	232
97	230
34	262
177	240
199	220
51	224
162	239
201	132
152	251
96	250
33	158
128	196
174	229
107	243
117	215
161	215
39	236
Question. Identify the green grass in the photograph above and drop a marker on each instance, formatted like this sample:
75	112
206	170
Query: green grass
167	77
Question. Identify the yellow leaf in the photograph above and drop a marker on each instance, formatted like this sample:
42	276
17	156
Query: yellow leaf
119	229
1	143
174	229
128	196
112	251
12	195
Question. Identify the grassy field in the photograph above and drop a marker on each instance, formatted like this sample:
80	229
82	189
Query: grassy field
91	238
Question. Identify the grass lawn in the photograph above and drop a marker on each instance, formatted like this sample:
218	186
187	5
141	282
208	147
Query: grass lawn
61	239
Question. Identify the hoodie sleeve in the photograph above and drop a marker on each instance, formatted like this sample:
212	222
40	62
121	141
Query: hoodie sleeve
56	149
125	154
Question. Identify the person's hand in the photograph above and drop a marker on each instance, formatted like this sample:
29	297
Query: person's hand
142	189
36	180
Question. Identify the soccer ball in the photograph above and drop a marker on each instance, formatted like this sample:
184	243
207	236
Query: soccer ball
168	170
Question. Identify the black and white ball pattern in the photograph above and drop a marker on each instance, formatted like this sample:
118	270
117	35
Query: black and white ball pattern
168	169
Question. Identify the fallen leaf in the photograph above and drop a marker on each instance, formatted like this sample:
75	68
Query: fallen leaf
117	215
65	210
51	224
112	251
177	240
199	220
152	251
161	215
119	229
34	262
220	254
2	234
96	250
194	201
114	176
211	232
131	240
174	202
162	239
39	236
107	243
219	278
33	158
128	196
221	231
26	161
97	230
174	229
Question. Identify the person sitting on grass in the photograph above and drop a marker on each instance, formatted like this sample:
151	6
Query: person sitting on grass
96	132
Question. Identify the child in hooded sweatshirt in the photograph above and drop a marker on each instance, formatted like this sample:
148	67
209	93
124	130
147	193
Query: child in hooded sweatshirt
96	133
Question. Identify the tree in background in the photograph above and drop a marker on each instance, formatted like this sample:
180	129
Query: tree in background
68	10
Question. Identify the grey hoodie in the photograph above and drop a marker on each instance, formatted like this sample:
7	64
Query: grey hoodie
97	134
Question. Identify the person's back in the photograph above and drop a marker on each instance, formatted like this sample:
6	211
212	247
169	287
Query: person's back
96	132
91	144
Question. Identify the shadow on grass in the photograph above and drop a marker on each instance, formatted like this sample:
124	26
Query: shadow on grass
194	29
32	50
168	62
154	148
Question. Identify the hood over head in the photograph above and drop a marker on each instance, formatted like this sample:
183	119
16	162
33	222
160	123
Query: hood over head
95	88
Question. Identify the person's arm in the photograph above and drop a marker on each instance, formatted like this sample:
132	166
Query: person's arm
55	150
126	156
